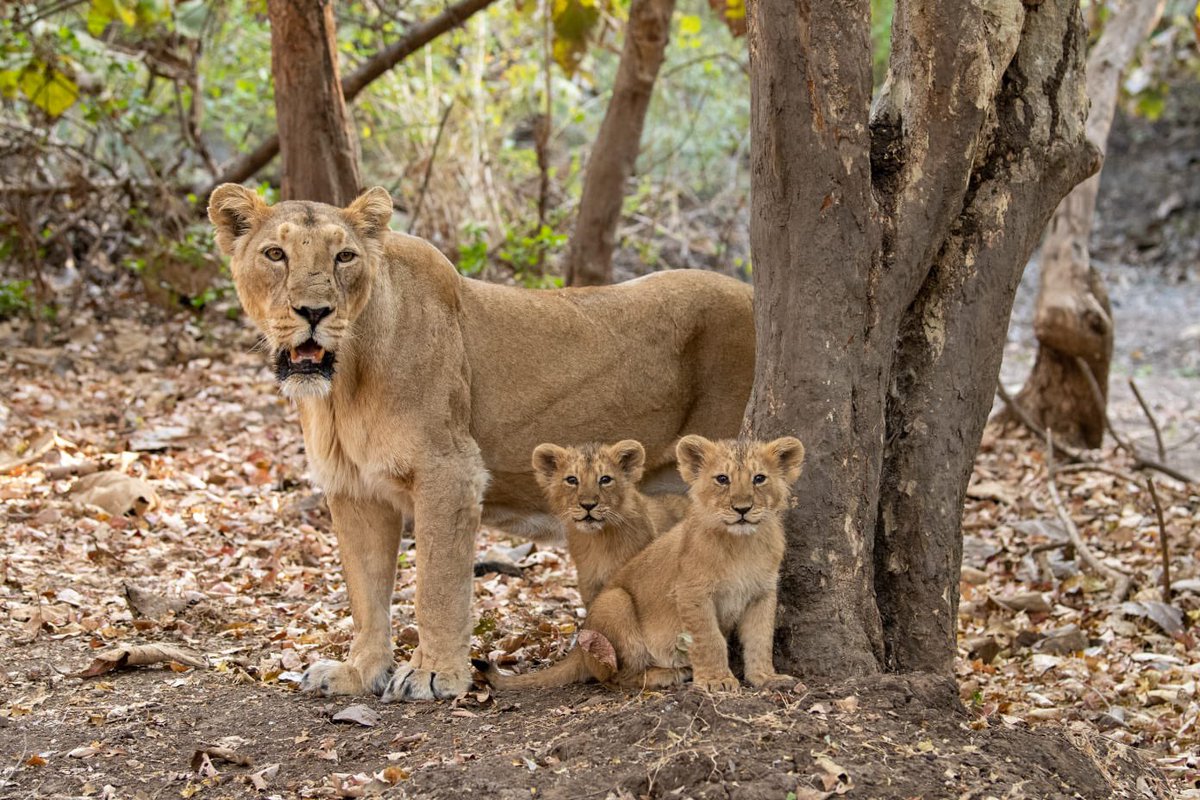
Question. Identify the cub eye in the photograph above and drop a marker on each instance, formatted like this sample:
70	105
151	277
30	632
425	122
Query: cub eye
345	257
723	480
572	480
605	480
274	254
760	479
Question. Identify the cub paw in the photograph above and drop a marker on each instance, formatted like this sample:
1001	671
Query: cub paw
409	683
772	680
716	683
328	678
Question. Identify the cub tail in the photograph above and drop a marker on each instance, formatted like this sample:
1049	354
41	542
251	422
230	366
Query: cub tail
572	669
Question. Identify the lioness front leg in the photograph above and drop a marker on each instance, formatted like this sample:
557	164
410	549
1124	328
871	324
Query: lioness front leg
368	536
446	508
708	652
756	629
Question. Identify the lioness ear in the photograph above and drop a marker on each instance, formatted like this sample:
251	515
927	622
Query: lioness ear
690	453
789	454
546	458
631	457
370	212
234	211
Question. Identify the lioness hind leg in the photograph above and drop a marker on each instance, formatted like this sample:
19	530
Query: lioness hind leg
368	539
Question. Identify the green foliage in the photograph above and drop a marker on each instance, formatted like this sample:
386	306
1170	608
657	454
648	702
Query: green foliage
473	255
526	255
14	298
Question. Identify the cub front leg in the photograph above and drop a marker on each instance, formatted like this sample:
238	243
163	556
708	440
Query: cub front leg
756	629
447	504
368	536
709	652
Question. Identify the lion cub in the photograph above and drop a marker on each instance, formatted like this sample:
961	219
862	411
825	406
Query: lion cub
593	489
673	605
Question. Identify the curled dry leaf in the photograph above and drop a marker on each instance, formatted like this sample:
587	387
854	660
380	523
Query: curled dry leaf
115	493
358	714
598	647
140	655
217	753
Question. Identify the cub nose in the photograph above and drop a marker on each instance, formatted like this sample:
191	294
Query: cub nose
587	506
743	510
313	315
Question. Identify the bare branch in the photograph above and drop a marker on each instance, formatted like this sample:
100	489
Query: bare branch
1158	440
1164	546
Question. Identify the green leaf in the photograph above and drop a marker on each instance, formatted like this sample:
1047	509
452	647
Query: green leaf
48	89
190	16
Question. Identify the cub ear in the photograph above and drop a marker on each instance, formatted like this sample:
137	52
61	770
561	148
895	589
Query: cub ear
690	453
234	211
631	457
370	212
546	460
789	454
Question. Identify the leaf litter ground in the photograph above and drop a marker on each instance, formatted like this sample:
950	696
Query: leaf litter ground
206	544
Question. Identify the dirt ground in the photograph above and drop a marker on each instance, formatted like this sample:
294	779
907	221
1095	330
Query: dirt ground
232	559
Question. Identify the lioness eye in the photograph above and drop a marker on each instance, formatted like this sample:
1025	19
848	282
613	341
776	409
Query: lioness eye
760	479
605	480
723	480
274	253
572	480
345	256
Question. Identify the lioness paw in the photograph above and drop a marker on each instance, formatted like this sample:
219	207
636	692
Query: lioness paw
716	683
328	678
422	684
772	680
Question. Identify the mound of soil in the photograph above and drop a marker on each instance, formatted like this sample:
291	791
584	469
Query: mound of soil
891	736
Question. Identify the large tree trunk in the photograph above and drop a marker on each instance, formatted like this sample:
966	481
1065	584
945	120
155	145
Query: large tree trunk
589	257
1073	319
320	161
887	250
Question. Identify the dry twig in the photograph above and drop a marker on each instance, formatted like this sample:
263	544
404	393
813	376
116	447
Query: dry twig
1120	581
1163	545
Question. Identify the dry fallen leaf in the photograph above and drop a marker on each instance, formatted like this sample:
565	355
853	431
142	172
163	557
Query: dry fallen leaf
115	493
358	714
598	647
215	752
140	655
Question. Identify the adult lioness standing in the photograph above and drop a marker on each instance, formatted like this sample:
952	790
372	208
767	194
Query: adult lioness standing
422	392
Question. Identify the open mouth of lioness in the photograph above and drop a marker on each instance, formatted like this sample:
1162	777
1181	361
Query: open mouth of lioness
306	359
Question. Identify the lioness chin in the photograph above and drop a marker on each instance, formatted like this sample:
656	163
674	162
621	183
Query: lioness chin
593	489
421	394
668	611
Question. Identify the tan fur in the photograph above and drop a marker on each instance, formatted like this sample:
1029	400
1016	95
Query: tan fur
593	490
442	387
673	606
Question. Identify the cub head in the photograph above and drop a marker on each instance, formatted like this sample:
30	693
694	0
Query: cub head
303	272
738	484
588	486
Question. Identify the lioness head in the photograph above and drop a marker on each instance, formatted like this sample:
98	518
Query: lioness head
738	484
588	486
303	272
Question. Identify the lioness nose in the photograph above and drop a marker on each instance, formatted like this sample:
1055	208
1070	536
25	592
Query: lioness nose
313	315
587	506
743	510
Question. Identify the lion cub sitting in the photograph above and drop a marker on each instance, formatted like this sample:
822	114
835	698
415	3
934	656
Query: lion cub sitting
673	605
593	489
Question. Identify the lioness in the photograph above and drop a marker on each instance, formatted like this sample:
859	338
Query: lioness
593	489
673	605
422	393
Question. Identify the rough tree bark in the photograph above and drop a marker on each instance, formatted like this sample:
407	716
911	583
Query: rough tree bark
887	246
1073	319
615	151
320	161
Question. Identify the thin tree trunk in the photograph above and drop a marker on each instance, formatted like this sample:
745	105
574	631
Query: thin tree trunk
320	161
377	65
1073	319
615	151
887	250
